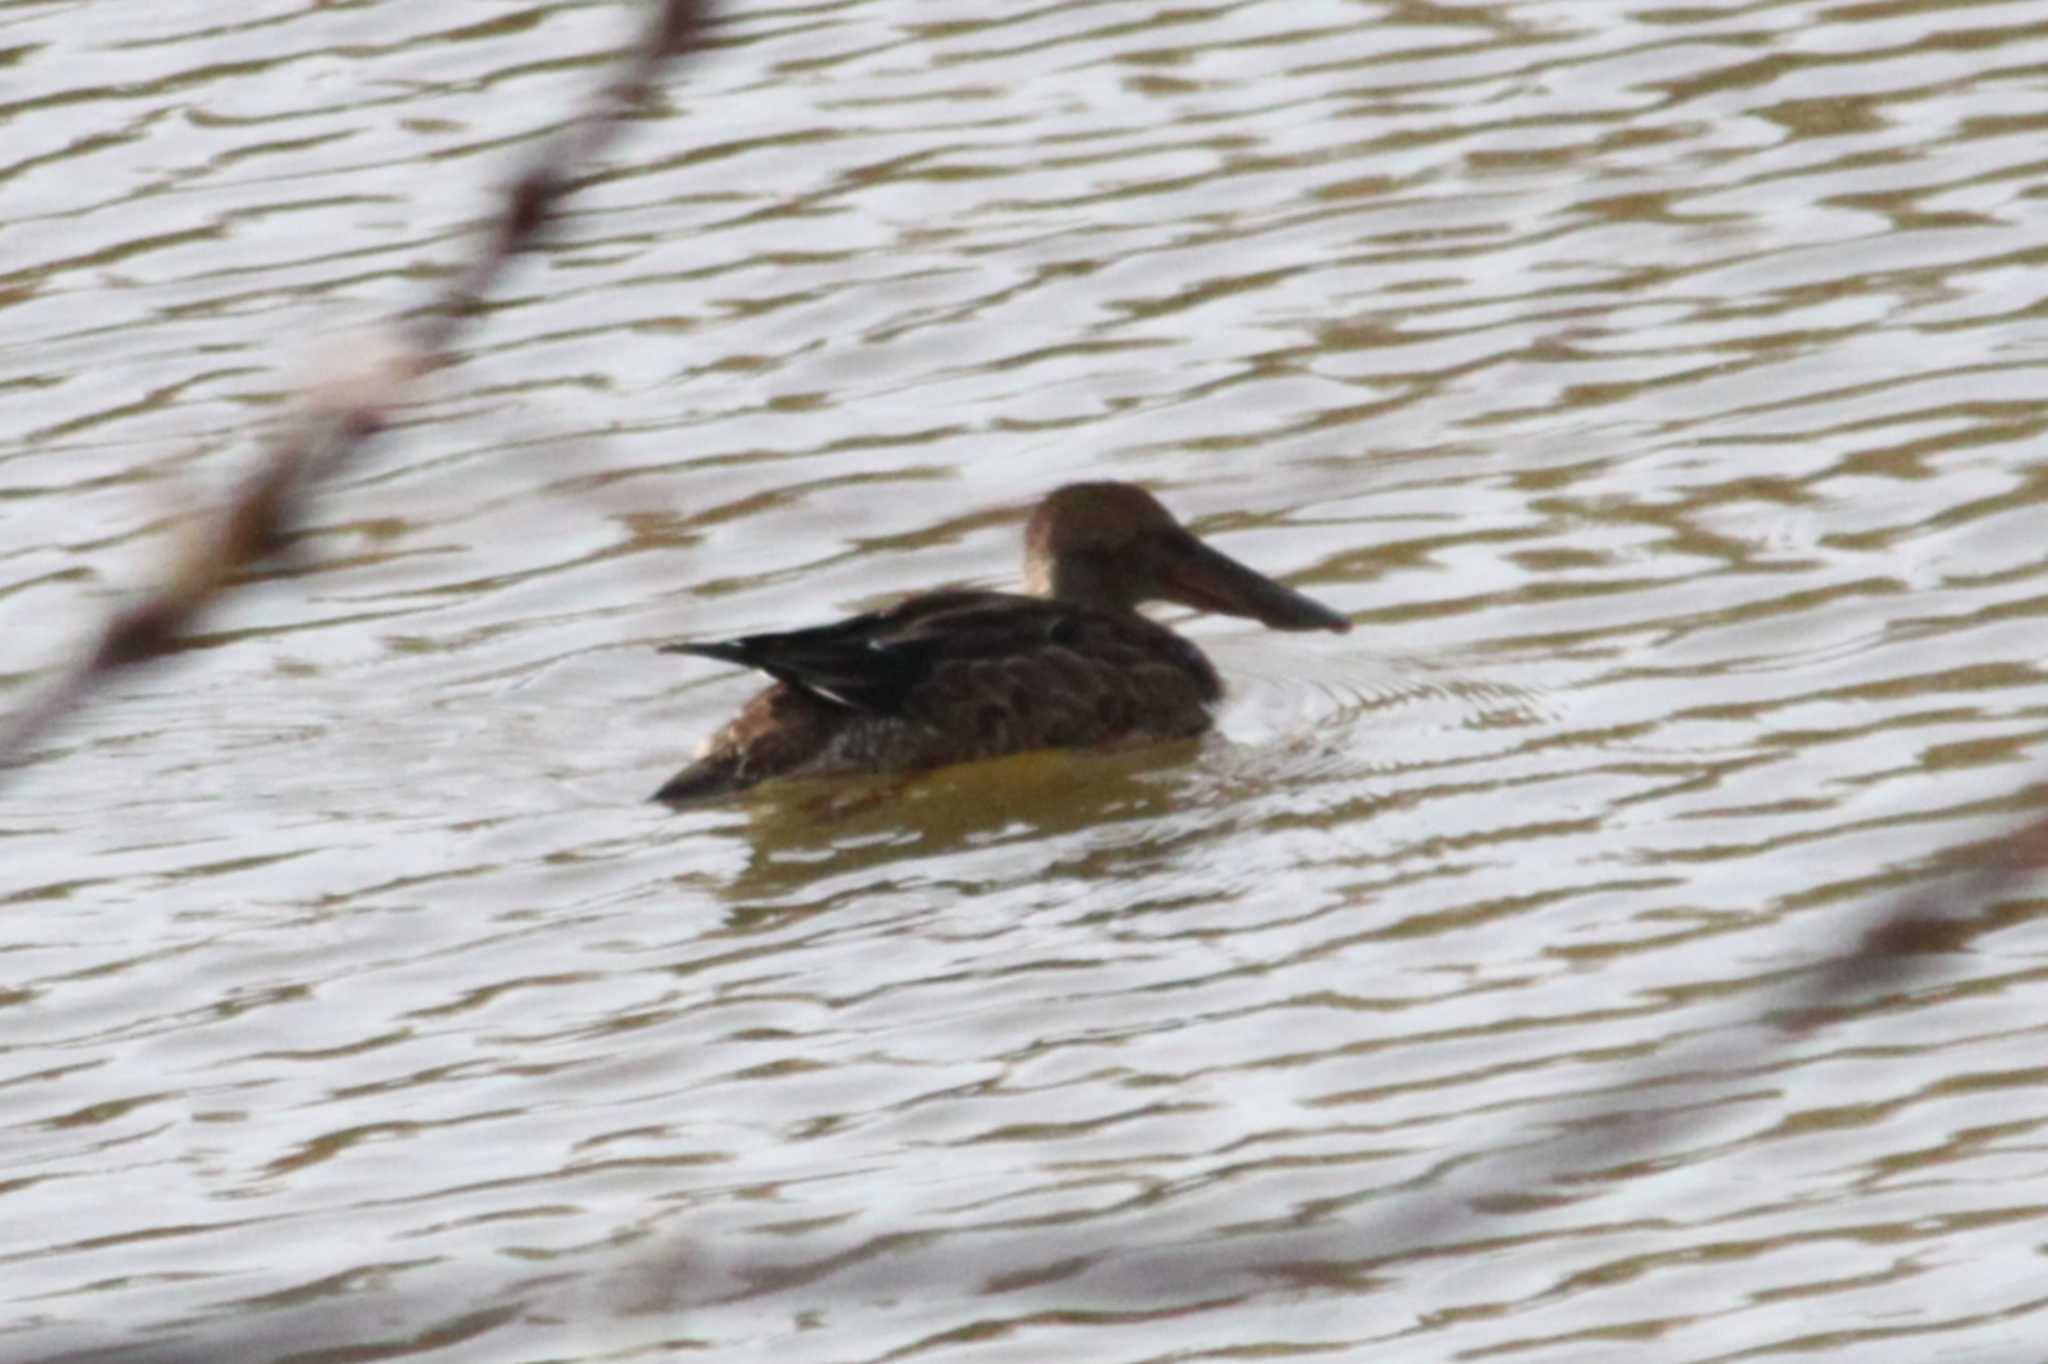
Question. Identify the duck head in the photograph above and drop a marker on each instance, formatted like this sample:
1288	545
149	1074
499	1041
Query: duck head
1111	546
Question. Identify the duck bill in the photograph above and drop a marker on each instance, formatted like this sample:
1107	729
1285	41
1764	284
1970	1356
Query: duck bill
1198	576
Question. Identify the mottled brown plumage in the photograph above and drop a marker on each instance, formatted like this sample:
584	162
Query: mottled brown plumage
956	676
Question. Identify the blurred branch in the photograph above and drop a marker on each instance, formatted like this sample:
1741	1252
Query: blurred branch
1897	943
335	420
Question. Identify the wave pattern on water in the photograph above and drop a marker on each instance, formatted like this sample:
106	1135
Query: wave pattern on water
1657	388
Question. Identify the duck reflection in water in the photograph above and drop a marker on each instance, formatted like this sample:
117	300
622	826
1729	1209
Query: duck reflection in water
951	677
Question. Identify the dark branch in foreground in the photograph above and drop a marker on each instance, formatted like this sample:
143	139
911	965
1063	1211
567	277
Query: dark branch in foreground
335	423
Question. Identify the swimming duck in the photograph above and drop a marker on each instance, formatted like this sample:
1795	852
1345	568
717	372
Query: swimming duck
955	676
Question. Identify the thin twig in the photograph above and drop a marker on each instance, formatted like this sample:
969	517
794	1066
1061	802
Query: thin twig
335	423
1897	941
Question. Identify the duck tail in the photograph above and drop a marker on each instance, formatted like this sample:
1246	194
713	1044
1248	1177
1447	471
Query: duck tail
706	779
724	650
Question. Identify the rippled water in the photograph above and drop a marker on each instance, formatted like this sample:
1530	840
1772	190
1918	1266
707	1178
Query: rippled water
1658	386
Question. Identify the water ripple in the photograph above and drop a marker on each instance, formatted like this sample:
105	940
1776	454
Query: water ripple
1653	388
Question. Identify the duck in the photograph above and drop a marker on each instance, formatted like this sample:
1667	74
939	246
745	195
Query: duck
959	676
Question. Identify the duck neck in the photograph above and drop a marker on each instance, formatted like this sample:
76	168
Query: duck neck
1082	580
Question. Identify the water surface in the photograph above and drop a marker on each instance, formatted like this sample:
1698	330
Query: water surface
1656	386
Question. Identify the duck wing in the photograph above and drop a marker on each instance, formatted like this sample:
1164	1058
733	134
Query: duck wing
924	654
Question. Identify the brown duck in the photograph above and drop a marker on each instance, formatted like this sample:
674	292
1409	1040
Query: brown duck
950	677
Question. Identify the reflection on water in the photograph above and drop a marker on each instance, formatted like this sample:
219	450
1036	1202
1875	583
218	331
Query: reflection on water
1653	387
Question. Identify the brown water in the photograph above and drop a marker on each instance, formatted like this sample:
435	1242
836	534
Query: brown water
1660	388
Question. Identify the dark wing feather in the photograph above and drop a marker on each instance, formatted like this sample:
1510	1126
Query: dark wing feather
874	662
934	650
